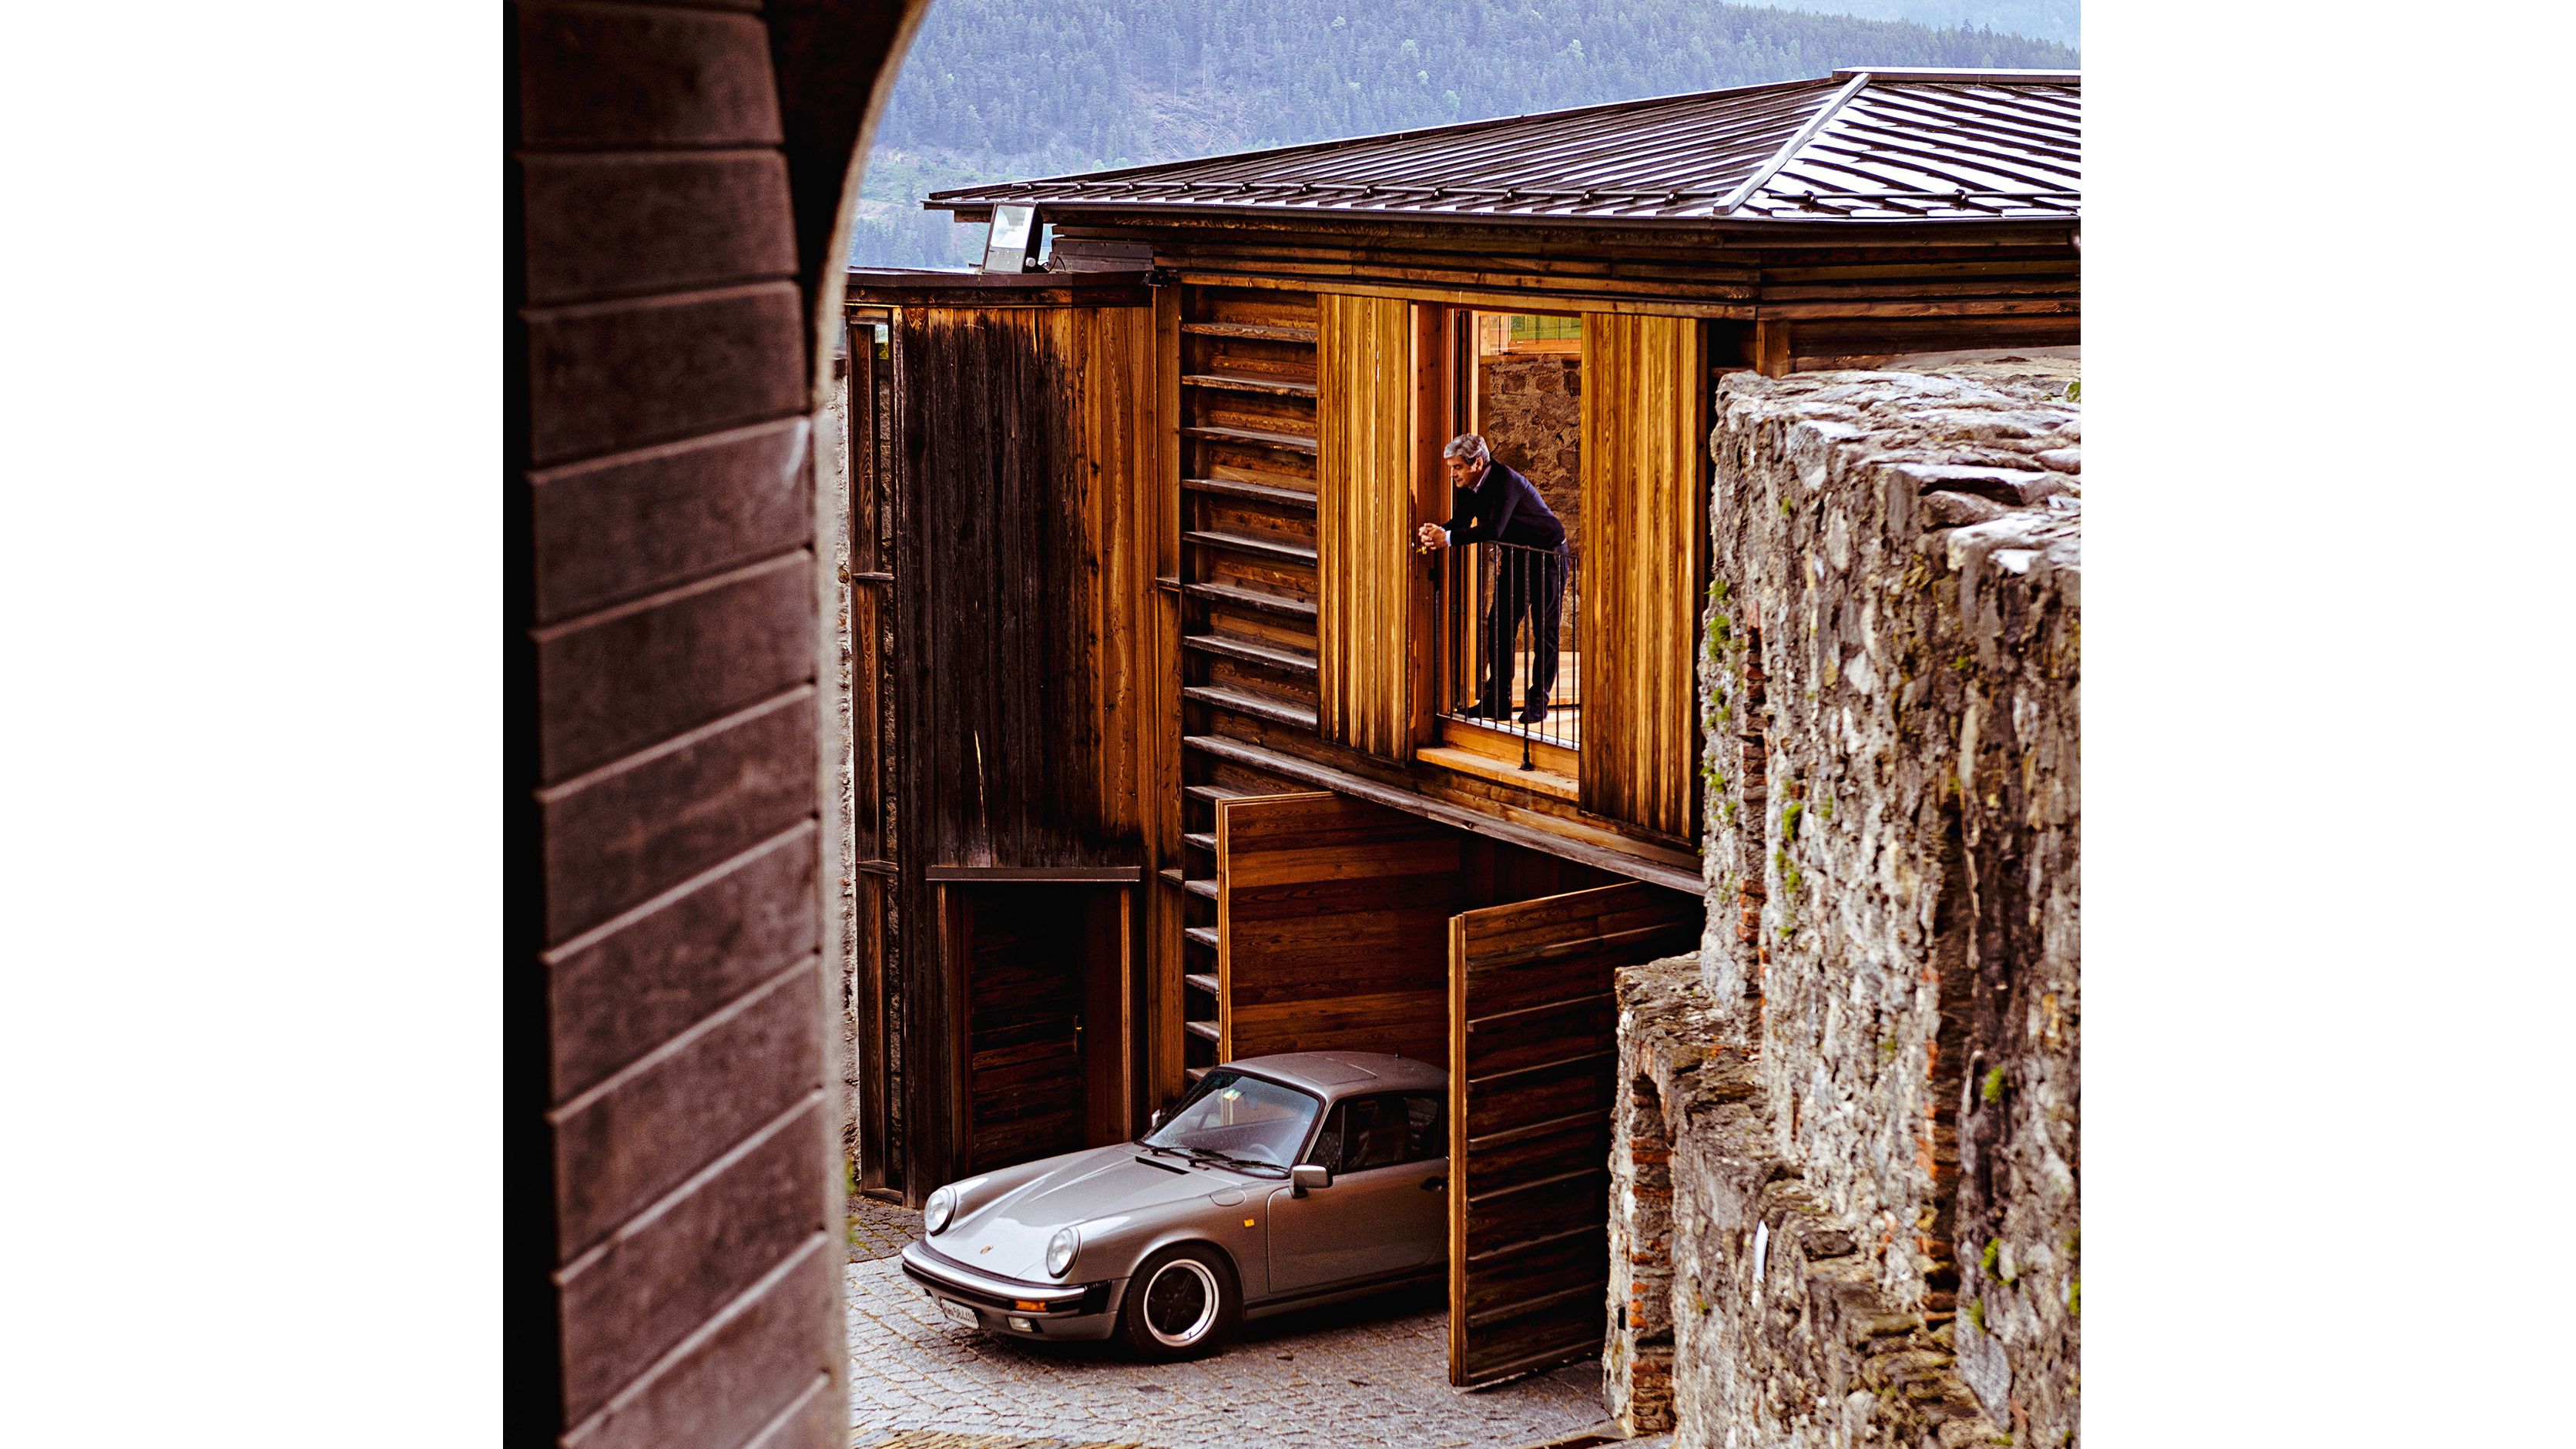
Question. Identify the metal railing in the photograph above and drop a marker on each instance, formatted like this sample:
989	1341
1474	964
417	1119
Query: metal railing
1517	659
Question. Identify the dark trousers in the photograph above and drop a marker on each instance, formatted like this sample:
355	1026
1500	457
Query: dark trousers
1529	585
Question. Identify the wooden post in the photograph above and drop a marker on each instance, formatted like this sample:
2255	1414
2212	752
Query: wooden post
1771	348
1434	406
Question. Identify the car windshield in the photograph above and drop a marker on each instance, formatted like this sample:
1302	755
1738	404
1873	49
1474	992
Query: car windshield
1240	1117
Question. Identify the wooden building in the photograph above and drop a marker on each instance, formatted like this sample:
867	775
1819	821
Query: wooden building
1172	760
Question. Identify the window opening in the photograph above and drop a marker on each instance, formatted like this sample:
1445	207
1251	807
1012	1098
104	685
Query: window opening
1515	623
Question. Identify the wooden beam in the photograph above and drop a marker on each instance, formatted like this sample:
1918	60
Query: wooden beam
1034	874
1490	299
1306	772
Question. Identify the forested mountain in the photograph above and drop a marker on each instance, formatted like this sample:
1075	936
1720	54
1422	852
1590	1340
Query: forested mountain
2038	19
1006	89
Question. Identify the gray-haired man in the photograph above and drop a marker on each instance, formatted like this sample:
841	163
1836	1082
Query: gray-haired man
1492	503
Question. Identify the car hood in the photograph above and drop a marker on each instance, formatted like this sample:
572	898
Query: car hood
1009	1234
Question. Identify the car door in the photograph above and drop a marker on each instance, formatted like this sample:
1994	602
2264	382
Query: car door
1387	1210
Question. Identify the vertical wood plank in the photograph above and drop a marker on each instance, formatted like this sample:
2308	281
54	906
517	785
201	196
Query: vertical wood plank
1365	483
1645	397
1166	1053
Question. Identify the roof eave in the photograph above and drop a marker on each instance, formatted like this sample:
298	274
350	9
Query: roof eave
1146	212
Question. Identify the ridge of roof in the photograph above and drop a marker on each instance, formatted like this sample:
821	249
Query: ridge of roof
1953	74
1797	142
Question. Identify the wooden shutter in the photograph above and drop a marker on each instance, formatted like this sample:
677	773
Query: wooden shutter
1533	1065
1364	518
1330	918
1645	512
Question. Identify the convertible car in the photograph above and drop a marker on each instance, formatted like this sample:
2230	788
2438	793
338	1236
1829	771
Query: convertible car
1278	1182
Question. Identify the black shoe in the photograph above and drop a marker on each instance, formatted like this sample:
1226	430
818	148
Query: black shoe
1534	714
1487	711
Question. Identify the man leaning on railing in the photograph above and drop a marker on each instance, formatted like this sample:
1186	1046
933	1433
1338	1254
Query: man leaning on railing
1493	504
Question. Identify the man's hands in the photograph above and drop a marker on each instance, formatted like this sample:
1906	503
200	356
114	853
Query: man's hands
1428	537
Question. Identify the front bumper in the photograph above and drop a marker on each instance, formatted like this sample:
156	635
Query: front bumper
1012	1305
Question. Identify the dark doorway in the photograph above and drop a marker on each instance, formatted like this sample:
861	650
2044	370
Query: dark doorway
1047	989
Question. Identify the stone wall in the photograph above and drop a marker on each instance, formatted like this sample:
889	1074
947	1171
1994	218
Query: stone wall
1866	1087
1532	406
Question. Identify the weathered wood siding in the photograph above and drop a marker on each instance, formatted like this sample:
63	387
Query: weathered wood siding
1645	425
1365	512
1022	595
1019	579
671	1263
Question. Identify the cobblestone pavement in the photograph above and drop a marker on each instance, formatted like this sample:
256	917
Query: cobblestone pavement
1373	1372
879	1230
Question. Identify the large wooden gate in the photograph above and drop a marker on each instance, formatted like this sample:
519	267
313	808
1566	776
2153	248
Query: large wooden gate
1533	1066
1330	912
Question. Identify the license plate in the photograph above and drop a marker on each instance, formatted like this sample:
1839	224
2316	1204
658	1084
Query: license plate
960	1313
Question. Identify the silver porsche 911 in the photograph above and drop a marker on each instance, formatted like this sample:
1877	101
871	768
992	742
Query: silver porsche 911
1278	1182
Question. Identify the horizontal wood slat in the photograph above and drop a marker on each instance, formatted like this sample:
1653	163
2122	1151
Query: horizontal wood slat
1242	488
629	830
1251	599
624	526
1242	329
1287	442
610	376
1275	711
1279	659
614	682
1248	382
641	1133
738	1372
1283	549
618	992
628	222
658	1278
635	77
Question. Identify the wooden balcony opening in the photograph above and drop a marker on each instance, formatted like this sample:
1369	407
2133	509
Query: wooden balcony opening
1519	382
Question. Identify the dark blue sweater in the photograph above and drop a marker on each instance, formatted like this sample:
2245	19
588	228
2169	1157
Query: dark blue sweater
1506	509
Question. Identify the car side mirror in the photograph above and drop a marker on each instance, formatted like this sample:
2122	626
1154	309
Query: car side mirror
1307	1176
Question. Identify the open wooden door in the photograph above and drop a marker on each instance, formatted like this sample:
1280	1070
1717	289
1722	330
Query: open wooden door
1533	1066
1330	917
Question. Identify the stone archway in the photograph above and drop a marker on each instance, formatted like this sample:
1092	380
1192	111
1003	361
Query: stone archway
677	179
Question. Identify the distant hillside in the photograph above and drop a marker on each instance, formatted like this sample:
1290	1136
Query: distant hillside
2060	20
1005	89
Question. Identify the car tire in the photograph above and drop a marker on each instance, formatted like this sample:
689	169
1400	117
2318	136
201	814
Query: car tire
1182	1301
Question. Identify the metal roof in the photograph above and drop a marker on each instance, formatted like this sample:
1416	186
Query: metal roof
1863	145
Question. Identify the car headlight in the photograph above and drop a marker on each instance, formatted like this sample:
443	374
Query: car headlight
942	1207
1060	1251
